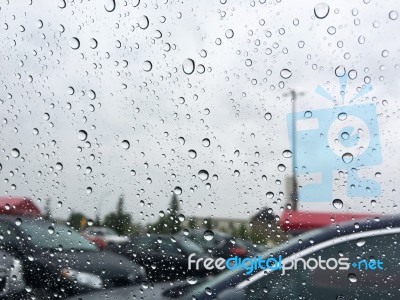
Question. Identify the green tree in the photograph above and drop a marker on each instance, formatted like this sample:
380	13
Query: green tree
192	223
75	220
47	209
169	222
209	225
242	231
120	221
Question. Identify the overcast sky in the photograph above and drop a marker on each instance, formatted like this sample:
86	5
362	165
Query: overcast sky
125	80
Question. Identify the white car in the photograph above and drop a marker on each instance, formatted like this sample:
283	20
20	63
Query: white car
108	235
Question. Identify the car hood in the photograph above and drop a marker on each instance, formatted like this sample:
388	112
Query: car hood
102	263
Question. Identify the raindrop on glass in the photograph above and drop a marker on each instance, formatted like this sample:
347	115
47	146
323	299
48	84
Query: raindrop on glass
337	203
192	153
203	175
340	71
125	144
205	142
178	190
147	66
347	158
208	235
93	43
74	43
15	152
393	15
188	66
321	10
285	73
82	135
229	33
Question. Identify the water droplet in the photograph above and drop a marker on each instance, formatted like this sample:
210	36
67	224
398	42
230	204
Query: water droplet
340	71
143	22
35	131
281	167
385	53
342	116
270	195
93	43
287	153
208	235
268	116
62	4
352	74
91	94
285	73
203	175
347	158
191	280
70	90
321	10
89	190
178	190
125	144
181	140
74	43
337	203
110	5
188	66
59	166
229	33
50	230
345	135
236	173
18	221
181	218
352	277
393	15
308	114
192	153
331	30
15	152
205	142
147	66
360	242
82	135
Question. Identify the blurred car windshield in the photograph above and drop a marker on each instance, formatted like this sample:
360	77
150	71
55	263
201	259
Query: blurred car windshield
56	236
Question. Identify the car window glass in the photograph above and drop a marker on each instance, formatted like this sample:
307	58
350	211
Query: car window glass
48	236
9	237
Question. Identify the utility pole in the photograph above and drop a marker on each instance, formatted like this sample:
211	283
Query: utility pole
294	192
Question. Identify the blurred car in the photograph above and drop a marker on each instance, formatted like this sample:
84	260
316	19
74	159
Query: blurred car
164	257
223	245
370	240
108	235
12	284
59	261
98	241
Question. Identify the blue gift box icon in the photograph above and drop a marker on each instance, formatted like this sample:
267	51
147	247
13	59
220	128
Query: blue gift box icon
340	138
